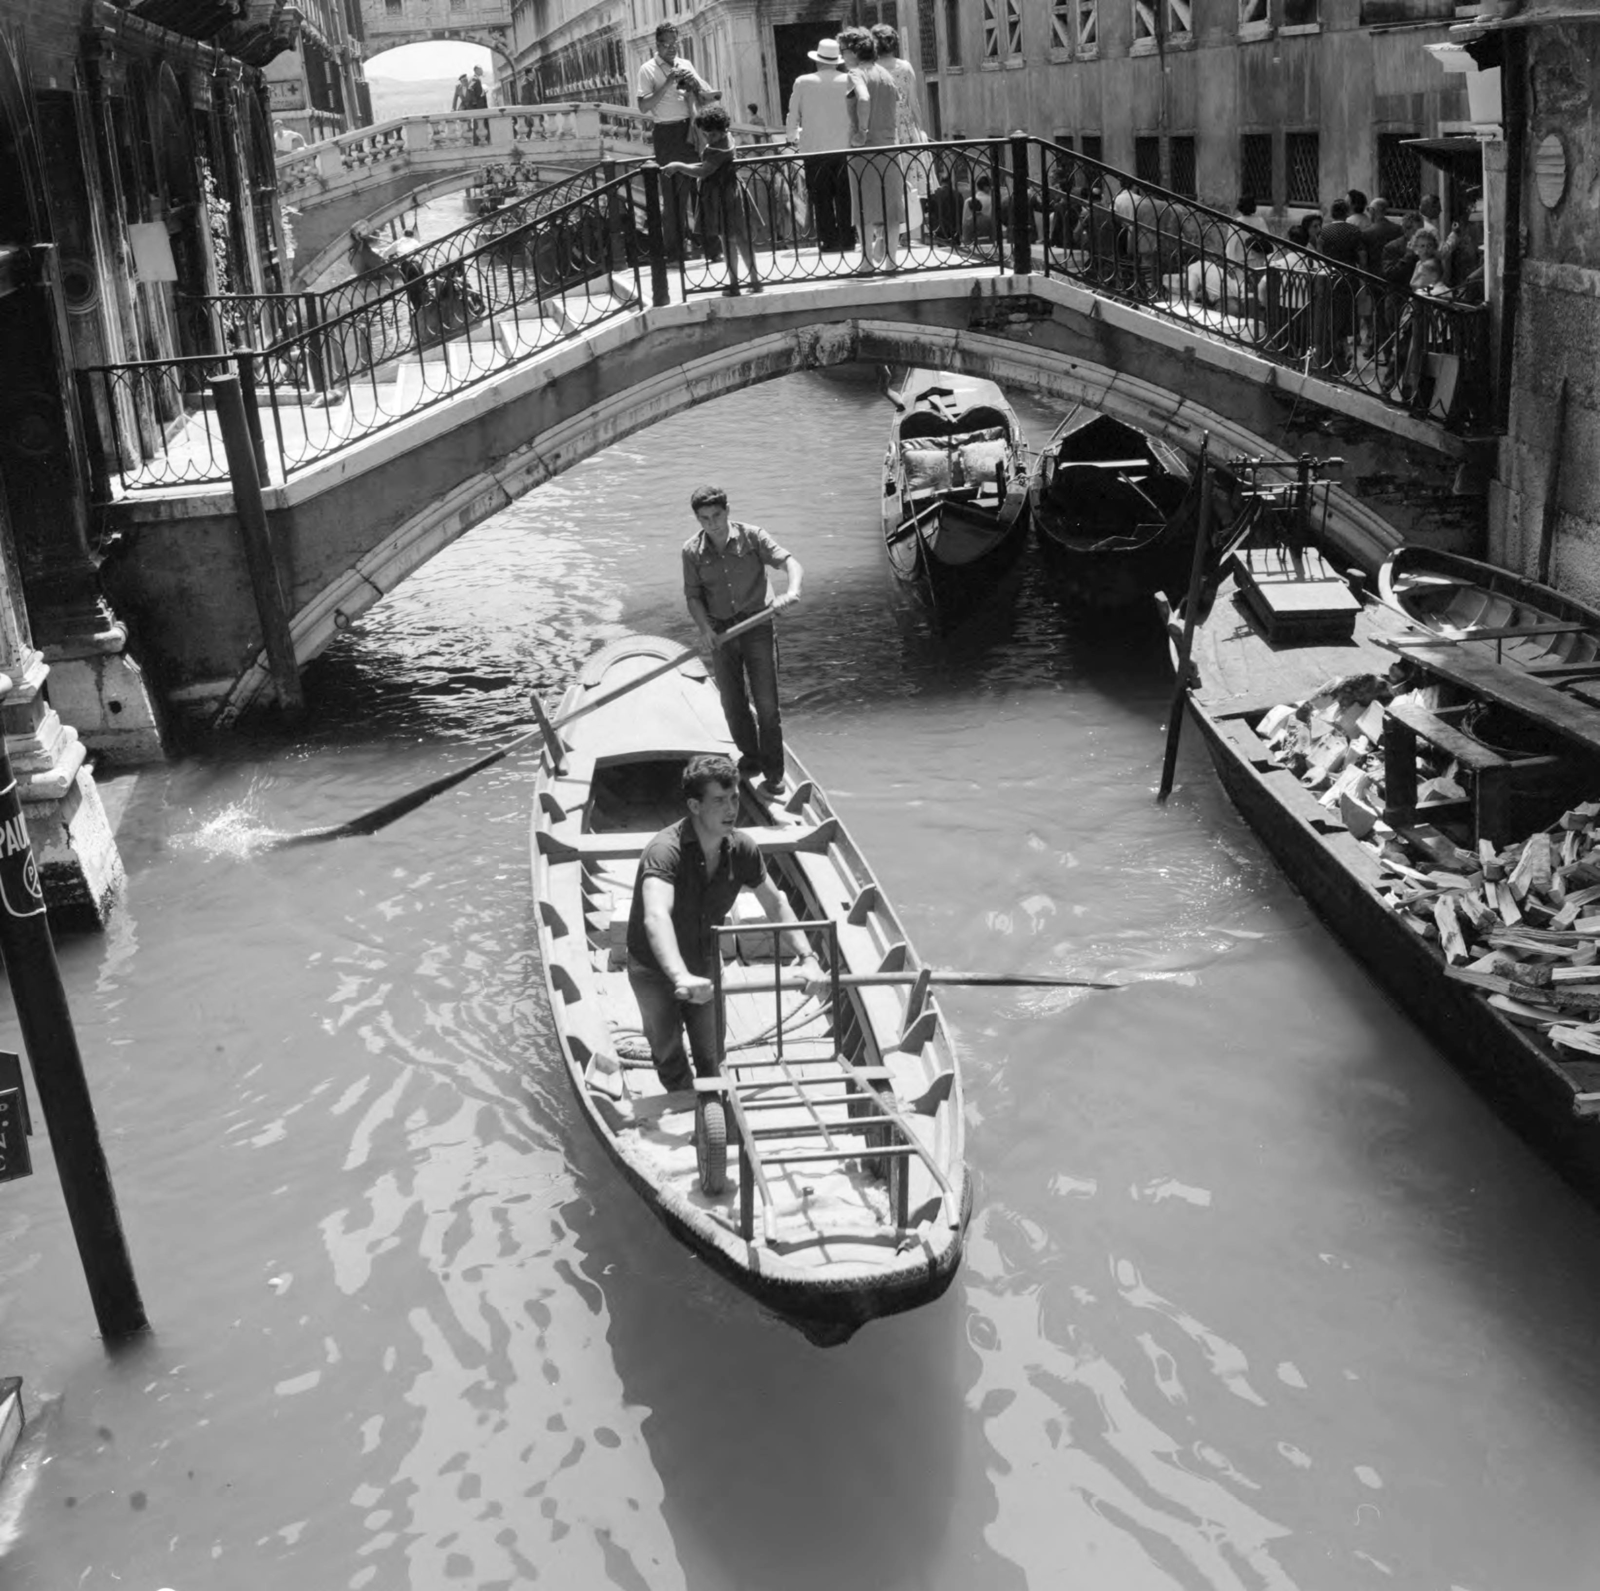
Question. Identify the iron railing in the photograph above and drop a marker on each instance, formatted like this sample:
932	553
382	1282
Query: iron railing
329	369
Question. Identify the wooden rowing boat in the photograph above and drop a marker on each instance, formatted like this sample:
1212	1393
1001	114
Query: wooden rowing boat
1362	859
845	1194
1518	620
955	501
1115	511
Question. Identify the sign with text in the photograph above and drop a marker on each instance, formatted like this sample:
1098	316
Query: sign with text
286	93
11	1077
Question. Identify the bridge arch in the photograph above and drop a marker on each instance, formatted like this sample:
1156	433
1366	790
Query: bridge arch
996	352
492	39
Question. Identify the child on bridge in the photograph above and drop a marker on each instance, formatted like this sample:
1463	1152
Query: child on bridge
721	201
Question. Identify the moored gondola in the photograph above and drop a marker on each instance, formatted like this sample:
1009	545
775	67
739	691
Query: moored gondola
823	1171
1115	511
955	496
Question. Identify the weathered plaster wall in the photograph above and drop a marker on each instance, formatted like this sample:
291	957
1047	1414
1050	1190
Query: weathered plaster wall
1557	331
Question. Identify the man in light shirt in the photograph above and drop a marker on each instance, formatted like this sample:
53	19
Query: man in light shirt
666	82
820	126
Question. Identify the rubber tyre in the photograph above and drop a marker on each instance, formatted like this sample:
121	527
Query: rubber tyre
711	1146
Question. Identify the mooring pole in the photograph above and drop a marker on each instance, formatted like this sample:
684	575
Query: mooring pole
1191	613
252	512
52	1047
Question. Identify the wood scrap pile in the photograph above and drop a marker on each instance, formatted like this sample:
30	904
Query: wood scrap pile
1520	923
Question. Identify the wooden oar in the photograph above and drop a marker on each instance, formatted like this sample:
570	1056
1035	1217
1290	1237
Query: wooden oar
382	817
987	980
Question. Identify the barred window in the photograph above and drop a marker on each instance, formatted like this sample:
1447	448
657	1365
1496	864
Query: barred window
1088	24
1061	25
1255	166
1180	23
1094	147
1144	20
1013	29
952	32
927	38
1147	158
1300	13
1399	171
1002	29
1302	159
1181	152
1252	13
991	30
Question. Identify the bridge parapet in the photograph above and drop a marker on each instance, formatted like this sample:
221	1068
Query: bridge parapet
539	280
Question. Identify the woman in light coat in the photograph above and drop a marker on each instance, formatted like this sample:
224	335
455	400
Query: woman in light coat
877	185
909	125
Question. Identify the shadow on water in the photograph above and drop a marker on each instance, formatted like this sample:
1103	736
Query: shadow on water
784	1465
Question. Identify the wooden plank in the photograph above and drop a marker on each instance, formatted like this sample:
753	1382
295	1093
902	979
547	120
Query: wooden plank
1453	742
625	844
1510	686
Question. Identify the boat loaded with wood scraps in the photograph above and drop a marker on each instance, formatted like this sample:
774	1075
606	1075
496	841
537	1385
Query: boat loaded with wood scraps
1114	510
1440	810
955	499
822	1171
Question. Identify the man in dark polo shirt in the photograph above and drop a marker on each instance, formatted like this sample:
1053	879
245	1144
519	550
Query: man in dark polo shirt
725	580
689	877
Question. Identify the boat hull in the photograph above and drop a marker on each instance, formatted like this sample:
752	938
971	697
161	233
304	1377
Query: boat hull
1115	512
826	1267
1536	1094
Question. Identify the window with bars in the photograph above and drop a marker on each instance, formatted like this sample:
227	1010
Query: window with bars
1253	13
1002	30
1255	166
952	32
1147	158
1181	157
1144	21
1399	171
1064	141
1180	19
1302	161
1061	24
1088	24
926	37
1301	13
1094	147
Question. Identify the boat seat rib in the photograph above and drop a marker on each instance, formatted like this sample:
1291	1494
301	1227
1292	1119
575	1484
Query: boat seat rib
624	844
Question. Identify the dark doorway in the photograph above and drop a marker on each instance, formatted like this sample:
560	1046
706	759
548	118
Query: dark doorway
792	43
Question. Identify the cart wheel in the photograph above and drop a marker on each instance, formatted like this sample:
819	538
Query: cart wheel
711	1146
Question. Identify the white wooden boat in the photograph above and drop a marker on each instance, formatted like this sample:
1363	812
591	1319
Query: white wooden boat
843	1195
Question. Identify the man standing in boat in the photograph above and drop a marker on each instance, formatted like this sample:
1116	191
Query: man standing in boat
725	581
689	877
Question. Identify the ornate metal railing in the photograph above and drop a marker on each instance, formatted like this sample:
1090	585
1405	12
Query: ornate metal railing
330	369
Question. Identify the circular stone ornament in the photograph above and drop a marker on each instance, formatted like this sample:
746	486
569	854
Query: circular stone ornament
1550	170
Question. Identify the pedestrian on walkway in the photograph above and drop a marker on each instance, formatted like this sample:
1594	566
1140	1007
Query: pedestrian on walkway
820	126
910	128
667	89
877	185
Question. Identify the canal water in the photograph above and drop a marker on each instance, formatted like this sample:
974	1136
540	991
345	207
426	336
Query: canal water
1257	1293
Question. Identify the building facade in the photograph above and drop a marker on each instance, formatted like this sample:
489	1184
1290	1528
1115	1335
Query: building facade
317	87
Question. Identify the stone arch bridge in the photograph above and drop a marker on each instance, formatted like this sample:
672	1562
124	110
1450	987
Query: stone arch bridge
351	526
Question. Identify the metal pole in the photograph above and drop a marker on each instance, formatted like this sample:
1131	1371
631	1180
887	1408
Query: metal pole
656	238
58	1075
263	567
1191	611
1021	249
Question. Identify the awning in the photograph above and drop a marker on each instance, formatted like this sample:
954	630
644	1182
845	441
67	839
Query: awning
1459	155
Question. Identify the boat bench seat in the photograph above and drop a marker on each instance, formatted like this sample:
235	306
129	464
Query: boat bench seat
624	844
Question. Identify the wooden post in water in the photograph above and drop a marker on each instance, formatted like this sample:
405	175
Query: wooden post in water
1191	609
252	512
52	1047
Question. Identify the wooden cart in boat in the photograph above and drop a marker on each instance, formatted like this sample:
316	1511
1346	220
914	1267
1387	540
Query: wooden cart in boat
823	1170
1241	680
1115	511
955	500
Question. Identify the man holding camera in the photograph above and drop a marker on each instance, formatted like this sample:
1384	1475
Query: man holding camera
667	87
